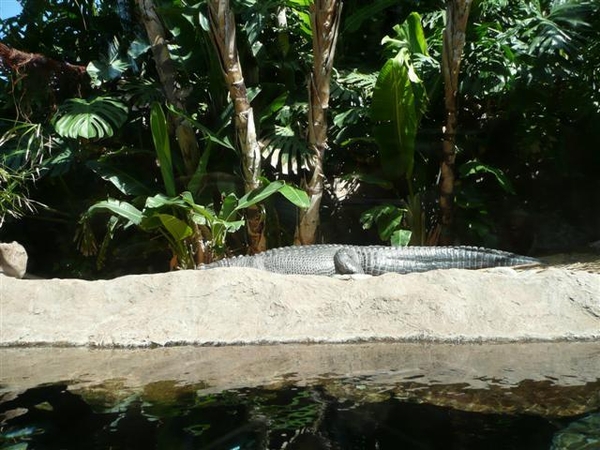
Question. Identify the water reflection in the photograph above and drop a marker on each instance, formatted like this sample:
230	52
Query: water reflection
360	396
182	417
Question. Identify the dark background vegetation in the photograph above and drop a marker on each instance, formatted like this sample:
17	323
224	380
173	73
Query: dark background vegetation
529	121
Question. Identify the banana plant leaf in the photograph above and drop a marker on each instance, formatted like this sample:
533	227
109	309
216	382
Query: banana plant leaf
160	135
395	115
123	209
121	179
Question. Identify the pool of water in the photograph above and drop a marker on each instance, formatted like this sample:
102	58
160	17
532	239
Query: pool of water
360	396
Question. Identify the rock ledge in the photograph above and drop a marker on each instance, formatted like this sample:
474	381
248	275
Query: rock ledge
241	306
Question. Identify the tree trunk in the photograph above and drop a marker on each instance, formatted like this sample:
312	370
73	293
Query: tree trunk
325	21
457	14
167	73
222	31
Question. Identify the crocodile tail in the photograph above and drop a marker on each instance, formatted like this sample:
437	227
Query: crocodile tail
479	258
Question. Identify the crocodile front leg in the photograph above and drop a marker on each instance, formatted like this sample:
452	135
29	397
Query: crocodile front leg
347	261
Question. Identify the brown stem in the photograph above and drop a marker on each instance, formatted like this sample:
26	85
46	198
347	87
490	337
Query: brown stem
222	31
325	21
167	73
457	14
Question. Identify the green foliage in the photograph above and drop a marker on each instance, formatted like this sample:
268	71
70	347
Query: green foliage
23	148
409	36
398	225
228	218
179	219
359	15
394	112
130	213
351	123
284	147
15	201
176	218
478	169
529	105
109	67
113	65
160	135
98	118
555	30
474	201
399	100
123	180
388	219
23	145
529	43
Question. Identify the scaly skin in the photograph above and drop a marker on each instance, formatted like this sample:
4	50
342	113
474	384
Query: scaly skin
371	260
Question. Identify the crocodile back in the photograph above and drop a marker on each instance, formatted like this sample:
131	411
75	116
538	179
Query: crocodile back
305	260
377	260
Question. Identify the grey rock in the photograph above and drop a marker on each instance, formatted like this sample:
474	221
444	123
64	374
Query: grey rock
13	259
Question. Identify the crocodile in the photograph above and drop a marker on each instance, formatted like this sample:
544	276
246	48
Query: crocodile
333	259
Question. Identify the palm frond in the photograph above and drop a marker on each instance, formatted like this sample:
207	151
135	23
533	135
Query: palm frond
284	149
354	87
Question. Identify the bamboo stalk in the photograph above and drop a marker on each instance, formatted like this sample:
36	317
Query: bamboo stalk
325	21
457	15
167	73
222	27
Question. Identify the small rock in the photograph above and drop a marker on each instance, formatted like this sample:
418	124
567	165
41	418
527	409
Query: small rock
13	259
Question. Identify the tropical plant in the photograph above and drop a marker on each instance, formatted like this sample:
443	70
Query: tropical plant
529	105
527	84
15	201
24	151
94	119
223	35
390	221
195	233
325	22
174	91
399	101
457	16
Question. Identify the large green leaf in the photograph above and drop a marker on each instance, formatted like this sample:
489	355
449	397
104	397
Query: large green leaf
296	196
400	238
409	35
110	66
176	227
475	167
121	179
283	147
206	212
395	115
208	134
258	195
399	99
228	206
387	218
160	135
410	44
95	119
160	201
122	209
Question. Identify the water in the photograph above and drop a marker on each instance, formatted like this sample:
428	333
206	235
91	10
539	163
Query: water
365	396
